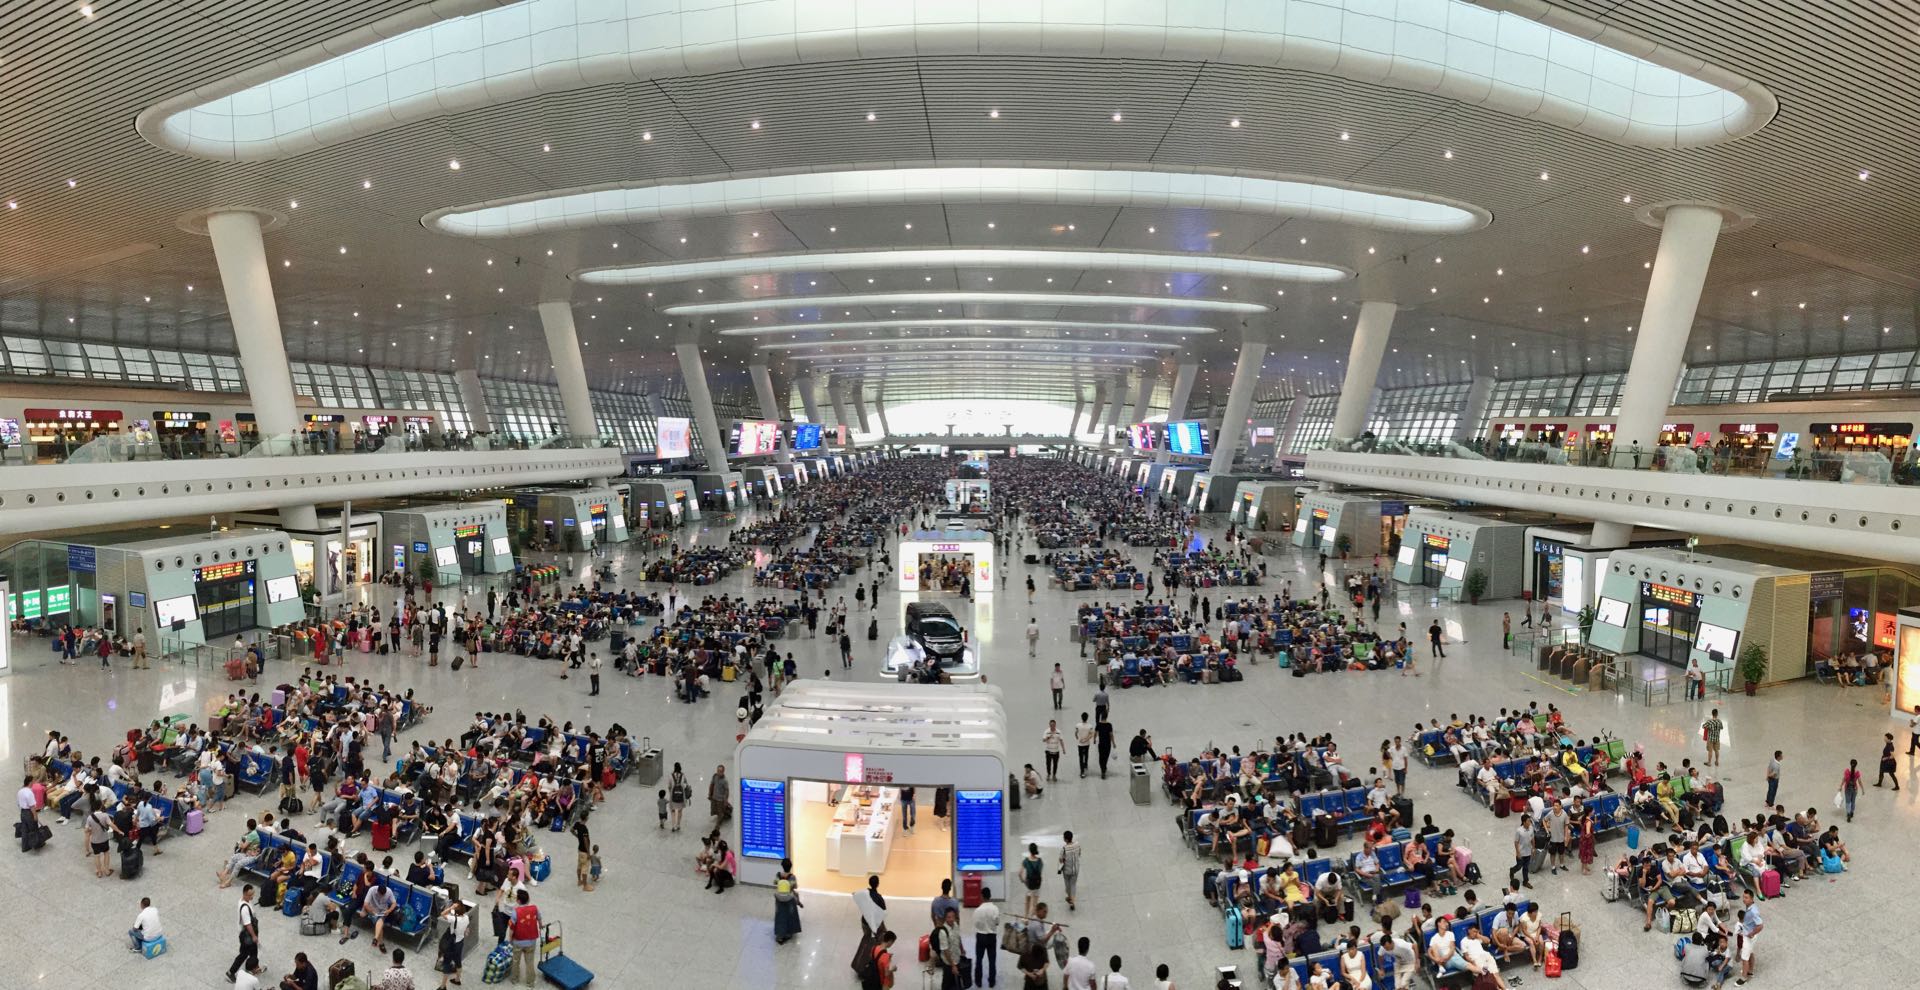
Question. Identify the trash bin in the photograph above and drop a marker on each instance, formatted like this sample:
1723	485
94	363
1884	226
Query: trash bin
1093	671
1142	783
646	764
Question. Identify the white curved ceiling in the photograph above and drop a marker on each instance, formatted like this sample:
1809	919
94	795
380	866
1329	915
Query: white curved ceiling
995	258
1535	62
1279	197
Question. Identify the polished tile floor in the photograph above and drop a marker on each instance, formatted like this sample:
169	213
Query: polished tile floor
650	924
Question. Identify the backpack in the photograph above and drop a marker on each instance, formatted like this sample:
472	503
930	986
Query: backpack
526	923
1030	872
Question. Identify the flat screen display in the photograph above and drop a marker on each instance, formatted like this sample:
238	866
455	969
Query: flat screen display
1406	554
501	546
1709	638
281	589
1456	570
675	436
806	436
445	557
1611	611
1187	437
1142	436
977	831
763	818
755	436
167	611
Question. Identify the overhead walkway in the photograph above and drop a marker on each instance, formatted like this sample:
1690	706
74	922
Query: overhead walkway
1875	521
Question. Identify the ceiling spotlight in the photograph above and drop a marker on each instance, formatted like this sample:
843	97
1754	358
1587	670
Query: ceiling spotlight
343	249
1303	240
1584	249
546	147
1448	154
646	135
1624	199
1235	122
1344	136
909	226
871	117
1544	177
989	225
995	114
1865	175
293	204
71	183
754	126
86	10
454	164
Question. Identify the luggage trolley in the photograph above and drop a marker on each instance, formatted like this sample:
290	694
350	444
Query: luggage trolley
556	966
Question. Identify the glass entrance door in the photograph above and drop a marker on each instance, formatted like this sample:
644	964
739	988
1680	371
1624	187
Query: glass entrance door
226	607
1433	567
1666	631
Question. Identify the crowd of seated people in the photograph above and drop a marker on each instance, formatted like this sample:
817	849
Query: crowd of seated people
1095	570
1684	881
812	568
698	647
694	565
1208	568
777	530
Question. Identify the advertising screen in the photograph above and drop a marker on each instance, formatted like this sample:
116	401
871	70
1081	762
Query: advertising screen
675	437
501	547
445	557
1141	436
763	818
1709	638
167	611
977	823
282	589
839	436
806	436
1187	437
1612	611
1456	570
1406	554
756	437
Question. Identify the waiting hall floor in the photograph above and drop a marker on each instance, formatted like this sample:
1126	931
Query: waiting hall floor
651	925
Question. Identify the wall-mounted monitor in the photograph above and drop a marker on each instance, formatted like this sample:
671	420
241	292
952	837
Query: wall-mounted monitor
1143	436
501	547
167	611
1611	611
446	557
675	437
282	589
1187	437
752	437
1456	569
1709	638
1407	553
806	436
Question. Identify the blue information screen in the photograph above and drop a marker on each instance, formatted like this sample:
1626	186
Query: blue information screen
977	823
763	818
1187	437
806	436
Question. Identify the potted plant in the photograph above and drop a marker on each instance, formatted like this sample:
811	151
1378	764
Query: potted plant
426	573
1344	544
1475	585
1753	666
1587	615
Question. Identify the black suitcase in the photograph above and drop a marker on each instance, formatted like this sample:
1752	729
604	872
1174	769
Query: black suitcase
1208	886
1569	950
132	861
338	972
1404	806
1326	832
1013	789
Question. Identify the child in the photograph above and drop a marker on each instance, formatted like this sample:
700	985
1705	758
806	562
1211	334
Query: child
593	867
663	809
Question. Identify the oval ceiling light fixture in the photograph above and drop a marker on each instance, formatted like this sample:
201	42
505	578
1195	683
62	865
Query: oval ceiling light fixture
1275	197
1524	58
1048	299
839	327
1047	342
1128	261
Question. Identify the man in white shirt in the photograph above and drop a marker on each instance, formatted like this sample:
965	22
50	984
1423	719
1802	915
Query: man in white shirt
1114	980
1078	973
986	933
1479	960
146	925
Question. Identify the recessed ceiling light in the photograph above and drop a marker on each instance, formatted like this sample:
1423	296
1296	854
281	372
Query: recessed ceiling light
830	230
1437	259
1303	240
1646	264
1755	293
286	262
989	224
994	114
909	226
454	164
756	233
546	147
1544	177
1865	175
682	240
1448	154
1846	317
1235	122
1344	136
1116	116
343	249
86	10
549	252
646	135
871	117
71	183
754	126
1624	199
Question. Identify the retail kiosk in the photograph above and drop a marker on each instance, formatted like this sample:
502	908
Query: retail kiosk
1439	548
820	780
457	538
1267	506
972	543
662	503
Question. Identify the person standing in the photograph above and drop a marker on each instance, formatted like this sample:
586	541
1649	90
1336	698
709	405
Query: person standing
719	795
947	956
1506	630
249	953
593	673
846	650
29	825
1078	972
1029	589
453	938
1850	786
1058	685
1696	679
986	937
908	810
1397	761
1033	637
140	649
1889	765
524	933
1115	981
678	793
1710	732
1436	639
1069	869
1054	744
1083	740
1750	927
1773	776
396	976
583	855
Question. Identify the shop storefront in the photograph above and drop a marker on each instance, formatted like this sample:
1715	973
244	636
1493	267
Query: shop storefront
180	432
1433	555
1891	439
1441	546
823	780
1549	569
1746	446
55	433
321	431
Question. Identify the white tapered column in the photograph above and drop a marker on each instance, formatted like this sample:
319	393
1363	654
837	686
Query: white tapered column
1363	368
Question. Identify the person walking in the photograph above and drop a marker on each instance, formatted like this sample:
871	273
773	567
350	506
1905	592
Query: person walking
986	938
1749	929
1058	685
1103	733
524	935
453	941
1773	776
1850	786
1029	589
1069	868
1710	731
786	903
1913	732
1889	765
249	954
678	793
1033	637
846	650
140	650
1506	630
1083	739
1054	744
1032	871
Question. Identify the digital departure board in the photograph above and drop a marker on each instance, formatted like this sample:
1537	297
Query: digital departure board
763	818
977	827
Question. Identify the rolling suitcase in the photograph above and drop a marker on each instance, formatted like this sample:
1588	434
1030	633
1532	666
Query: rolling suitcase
1770	883
1326	831
132	861
382	835
237	669
339	972
1235	937
1405	807
196	822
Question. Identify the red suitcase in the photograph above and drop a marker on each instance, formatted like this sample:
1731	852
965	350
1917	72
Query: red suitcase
237	669
382	835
